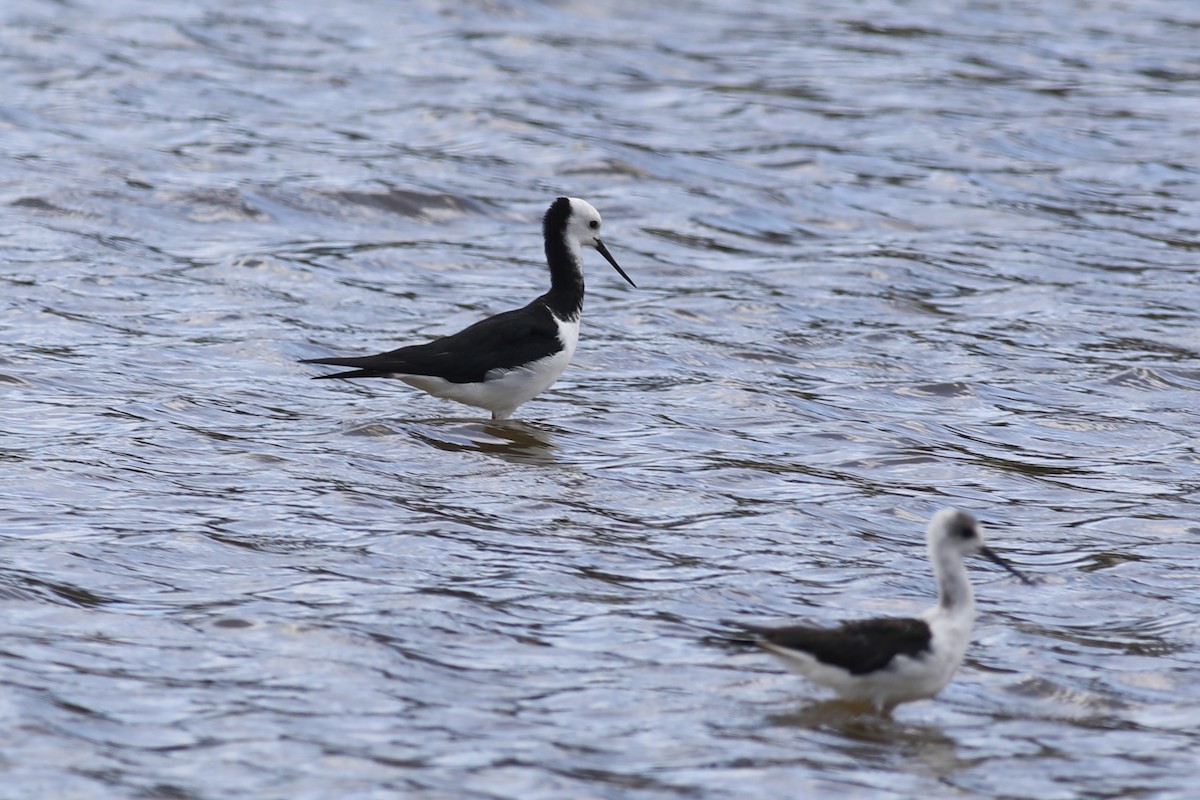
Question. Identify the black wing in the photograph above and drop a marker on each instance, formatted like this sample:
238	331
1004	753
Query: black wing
860	647
504	341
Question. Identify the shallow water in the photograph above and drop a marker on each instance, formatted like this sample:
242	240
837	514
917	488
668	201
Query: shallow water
892	256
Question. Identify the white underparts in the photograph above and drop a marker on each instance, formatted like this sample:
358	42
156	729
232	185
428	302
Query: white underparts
503	390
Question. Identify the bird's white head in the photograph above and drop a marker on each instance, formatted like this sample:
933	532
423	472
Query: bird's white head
956	534
954	531
583	222
580	226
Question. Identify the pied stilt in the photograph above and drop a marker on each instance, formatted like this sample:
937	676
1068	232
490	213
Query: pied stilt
502	361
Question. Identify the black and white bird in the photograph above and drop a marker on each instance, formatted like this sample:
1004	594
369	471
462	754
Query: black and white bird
887	661
502	361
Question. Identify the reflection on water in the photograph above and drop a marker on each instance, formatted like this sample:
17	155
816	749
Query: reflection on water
871	737
512	440
896	256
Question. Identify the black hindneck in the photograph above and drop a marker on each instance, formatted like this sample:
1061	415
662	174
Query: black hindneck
565	297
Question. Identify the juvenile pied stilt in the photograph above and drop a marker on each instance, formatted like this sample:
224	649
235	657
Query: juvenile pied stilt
887	661
500	362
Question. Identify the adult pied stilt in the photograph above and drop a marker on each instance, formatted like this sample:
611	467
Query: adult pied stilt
502	361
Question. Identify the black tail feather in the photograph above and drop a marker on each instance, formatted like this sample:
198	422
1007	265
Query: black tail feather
358	372
350	373
336	361
735	634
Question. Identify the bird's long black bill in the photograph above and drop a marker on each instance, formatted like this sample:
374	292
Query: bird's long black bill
990	555
608	257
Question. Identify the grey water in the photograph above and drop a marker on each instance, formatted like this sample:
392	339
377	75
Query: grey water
893	255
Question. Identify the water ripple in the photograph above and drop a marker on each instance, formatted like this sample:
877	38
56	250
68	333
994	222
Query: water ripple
893	256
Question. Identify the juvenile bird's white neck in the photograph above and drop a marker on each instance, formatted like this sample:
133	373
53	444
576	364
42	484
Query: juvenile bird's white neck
955	594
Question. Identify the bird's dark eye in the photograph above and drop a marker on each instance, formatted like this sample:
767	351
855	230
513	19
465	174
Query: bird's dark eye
594	224
964	531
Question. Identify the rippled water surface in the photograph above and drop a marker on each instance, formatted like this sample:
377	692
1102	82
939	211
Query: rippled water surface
892	256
